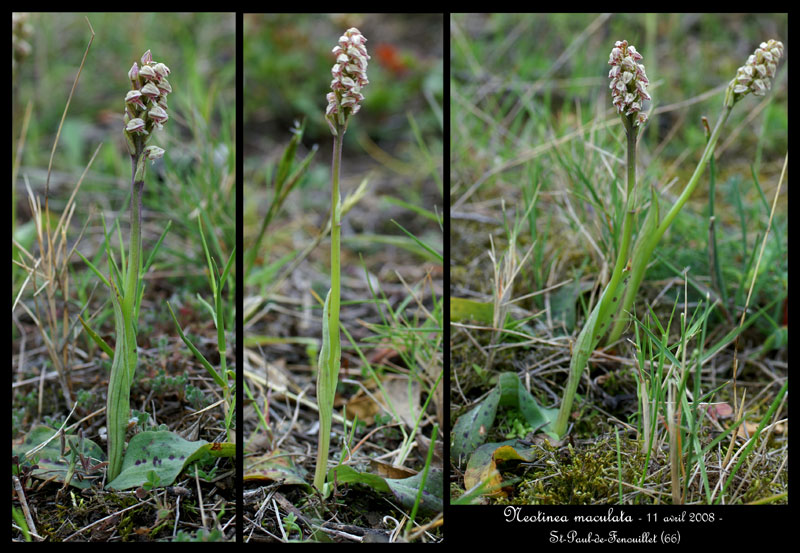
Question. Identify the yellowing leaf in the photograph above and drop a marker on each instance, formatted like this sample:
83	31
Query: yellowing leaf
482	466
277	466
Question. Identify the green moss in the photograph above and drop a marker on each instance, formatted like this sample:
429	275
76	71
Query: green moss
577	477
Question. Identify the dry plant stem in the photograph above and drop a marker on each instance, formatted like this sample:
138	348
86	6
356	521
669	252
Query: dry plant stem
330	355
56	277
24	504
673	420
598	319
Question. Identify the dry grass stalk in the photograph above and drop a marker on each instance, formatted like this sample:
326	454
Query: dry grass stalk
50	267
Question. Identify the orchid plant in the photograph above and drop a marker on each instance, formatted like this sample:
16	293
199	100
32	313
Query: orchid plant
145	112
629	91
344	101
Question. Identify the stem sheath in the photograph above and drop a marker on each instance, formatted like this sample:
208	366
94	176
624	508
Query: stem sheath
330	354
123	367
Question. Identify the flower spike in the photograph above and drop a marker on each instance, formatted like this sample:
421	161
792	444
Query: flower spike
146	104
628	81
349	77
757	73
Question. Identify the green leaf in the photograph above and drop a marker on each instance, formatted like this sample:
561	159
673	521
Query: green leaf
536	416
155	249
53	465
164	452
514	394
277	466
200	357
422	244
344	474
100	275
404	489
471	428
96	337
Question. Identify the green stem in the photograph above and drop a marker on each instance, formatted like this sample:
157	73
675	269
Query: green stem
123	367
223	352
645	247
336	228
609	300
598	319
330	355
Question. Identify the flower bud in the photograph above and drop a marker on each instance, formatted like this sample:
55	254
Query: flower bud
153	152
157	115
147	57
148	73
133	74
151	91
135	125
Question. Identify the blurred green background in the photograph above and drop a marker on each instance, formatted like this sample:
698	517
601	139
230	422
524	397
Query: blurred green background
560	62
395	140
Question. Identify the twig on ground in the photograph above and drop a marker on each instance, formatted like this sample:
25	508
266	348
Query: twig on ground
24	504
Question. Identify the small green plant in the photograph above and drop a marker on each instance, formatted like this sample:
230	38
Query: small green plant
224	377
153	481
285	179
19	520
629	91
204	467
344	100
202	535
163	383
290	524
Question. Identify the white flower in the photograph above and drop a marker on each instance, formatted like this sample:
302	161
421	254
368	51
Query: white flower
158	116
756	74
148	73
146	104
349	74
151	91
134	97
153	152
628	81
135	125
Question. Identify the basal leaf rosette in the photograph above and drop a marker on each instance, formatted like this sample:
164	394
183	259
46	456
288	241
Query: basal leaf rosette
349	77
628	81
